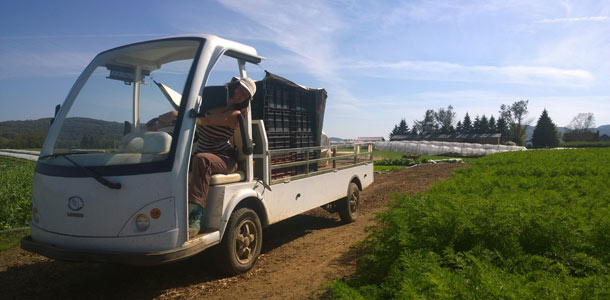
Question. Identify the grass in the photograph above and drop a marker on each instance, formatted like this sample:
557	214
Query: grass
15	194
10	239
15	191
379	154
585	144
518	225
383	169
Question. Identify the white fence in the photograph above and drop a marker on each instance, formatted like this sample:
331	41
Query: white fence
437	148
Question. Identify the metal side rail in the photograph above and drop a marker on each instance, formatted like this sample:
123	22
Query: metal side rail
350	160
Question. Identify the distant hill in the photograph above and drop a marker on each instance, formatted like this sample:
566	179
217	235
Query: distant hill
78	132
604	129
335	139
24	134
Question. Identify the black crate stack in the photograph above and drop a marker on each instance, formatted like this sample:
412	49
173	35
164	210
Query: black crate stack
293	117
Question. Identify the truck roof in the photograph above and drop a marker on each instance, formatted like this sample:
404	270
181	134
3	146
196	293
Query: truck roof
234	49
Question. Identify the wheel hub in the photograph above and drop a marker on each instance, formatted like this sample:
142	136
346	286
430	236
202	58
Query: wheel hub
245	241
353	202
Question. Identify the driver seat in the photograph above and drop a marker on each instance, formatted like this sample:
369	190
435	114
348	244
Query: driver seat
218	179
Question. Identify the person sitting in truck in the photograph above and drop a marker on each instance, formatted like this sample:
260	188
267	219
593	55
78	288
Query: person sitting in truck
214	154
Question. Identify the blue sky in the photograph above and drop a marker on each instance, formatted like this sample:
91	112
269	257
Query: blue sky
380	61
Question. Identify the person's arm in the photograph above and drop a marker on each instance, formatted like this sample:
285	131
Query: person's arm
169	117
164	120
227	118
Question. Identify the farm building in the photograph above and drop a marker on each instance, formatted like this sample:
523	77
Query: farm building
604	138
577	136
482	138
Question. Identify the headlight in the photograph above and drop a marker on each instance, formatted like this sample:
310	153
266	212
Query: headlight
142	222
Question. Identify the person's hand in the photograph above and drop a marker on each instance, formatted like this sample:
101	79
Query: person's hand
164	120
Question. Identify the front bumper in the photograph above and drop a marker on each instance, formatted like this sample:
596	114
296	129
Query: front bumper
129	258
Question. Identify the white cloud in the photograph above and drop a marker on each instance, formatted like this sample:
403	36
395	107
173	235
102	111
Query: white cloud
452	11
572	20
444	71
577	49
310	30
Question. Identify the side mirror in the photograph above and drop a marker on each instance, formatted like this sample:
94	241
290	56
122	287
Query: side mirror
126	128
56	112
214	96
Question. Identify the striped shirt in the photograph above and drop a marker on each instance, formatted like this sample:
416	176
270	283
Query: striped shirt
214	139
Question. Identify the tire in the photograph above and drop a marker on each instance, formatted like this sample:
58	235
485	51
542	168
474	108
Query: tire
349	207
241	244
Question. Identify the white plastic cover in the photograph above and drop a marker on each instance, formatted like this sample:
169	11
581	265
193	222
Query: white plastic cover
436	148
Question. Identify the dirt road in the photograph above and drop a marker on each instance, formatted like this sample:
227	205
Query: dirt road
299	255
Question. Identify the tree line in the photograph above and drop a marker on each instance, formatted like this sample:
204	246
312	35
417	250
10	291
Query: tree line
511	125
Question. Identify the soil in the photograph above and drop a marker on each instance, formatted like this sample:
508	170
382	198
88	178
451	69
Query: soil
299	255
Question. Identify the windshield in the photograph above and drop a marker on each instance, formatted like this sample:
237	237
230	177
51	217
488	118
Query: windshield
125	111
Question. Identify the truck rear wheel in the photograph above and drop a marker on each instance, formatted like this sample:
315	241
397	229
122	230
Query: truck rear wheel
241	244
349	207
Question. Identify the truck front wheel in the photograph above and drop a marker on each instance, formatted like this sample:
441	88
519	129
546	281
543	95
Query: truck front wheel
349	207
241	244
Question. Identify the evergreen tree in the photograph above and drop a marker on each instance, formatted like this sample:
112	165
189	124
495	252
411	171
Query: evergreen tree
484	124
466	125
403	128
400	129
545	133
492	125
476	125
458	127
502	128
394	131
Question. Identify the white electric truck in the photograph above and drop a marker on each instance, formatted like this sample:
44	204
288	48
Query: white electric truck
109	188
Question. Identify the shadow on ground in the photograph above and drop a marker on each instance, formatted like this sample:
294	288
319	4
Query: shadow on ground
72	280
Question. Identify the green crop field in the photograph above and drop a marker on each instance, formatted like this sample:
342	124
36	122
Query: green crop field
15	193
586	144
518	225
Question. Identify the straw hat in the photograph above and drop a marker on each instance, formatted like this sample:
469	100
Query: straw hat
248	84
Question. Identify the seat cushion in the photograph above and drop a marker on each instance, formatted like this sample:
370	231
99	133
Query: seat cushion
227	178
146	142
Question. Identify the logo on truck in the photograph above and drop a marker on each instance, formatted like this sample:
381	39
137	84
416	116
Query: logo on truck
75	203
